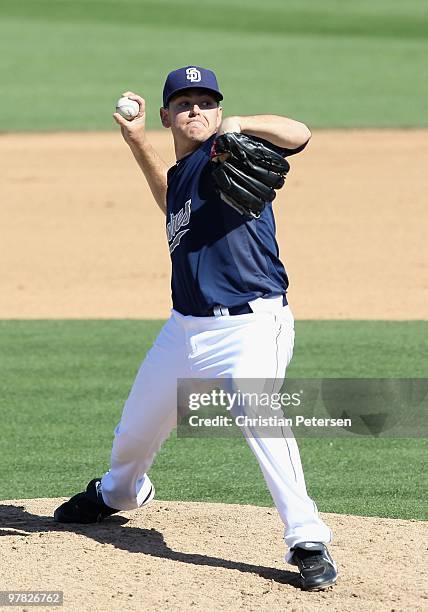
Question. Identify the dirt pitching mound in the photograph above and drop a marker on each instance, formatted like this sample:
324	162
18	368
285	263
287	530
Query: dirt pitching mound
199	556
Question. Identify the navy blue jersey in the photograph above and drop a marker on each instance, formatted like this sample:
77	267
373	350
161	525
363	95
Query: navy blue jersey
218	255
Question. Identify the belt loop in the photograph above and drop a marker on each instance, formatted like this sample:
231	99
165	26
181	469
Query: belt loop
220	311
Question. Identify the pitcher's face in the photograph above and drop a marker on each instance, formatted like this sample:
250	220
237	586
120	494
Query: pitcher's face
192	115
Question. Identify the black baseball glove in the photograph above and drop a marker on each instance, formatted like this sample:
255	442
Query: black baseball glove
247	172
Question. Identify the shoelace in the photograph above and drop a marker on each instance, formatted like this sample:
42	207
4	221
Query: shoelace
310	558
311	561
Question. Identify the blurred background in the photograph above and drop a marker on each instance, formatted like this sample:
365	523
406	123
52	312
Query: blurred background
81	238
334	63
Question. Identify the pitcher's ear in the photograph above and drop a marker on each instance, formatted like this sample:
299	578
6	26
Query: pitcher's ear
164	117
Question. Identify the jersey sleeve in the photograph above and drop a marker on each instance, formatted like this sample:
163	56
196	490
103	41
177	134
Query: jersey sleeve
288	152
281	150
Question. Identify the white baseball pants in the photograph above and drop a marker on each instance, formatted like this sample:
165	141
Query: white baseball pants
258	345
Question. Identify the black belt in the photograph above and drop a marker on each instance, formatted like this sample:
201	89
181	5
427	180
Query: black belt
241	309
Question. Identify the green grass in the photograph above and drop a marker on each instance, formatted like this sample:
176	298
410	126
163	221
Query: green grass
335	63
63	385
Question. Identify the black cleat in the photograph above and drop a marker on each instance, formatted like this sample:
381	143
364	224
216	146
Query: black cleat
85	507
317	569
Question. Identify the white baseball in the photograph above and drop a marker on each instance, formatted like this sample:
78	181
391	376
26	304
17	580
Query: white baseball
127	108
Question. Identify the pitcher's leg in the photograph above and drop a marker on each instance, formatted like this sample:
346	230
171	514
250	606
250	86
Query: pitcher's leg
148	417
258	349
279	461
279	457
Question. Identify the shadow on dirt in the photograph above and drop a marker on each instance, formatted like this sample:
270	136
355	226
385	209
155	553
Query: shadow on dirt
16	521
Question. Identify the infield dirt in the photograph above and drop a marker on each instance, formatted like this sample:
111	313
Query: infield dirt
81	238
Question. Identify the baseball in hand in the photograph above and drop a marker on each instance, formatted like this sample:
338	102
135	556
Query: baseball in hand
127	108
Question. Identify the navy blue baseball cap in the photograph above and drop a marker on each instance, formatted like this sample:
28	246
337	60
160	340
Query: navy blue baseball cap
188	78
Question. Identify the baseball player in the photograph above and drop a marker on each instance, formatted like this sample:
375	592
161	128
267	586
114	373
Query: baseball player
230	317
